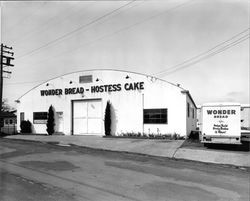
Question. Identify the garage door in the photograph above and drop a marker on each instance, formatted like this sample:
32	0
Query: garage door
87	117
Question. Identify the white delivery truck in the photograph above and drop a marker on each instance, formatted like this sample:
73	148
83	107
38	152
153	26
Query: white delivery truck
221	123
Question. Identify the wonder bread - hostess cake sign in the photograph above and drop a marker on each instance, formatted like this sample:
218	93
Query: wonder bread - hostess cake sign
94	89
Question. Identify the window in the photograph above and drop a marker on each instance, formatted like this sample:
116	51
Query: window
188	109
11	121
6	121
193	112
21	116
155	116
85	79
40	117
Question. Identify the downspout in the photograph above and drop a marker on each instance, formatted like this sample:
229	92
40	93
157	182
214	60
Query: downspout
142	114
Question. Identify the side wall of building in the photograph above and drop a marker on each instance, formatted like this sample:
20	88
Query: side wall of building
191	115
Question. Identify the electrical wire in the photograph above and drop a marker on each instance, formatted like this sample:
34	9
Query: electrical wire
76	30
135	24
18	83
55	17
174	69
120	30
203	53
222	49
206	57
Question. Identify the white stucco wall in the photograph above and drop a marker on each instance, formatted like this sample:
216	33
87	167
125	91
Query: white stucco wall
128	104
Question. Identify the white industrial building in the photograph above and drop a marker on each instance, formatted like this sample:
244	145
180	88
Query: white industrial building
140	104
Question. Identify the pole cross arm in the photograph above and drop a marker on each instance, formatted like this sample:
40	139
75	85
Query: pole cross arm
5	71
8	57
5	46
8	52
7	60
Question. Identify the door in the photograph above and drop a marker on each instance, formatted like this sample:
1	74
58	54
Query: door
94	117
59	122
87	117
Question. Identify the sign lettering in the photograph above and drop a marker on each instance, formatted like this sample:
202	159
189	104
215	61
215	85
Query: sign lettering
94	89
221	113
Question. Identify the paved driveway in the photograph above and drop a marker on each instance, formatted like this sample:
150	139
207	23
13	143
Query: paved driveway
77	173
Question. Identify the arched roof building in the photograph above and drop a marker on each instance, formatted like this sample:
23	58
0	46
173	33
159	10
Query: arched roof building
139	104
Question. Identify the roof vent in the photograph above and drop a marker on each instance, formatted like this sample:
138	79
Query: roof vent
86	79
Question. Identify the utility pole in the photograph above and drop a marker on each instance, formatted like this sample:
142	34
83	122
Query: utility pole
5	61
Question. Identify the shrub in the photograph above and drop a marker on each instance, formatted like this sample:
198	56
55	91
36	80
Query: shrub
194	135
107	119
51	121
175	136
25	126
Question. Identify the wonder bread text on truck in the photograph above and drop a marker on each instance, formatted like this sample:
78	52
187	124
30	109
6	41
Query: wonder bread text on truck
221	123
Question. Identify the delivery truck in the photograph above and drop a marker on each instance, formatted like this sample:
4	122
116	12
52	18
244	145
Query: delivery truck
221	123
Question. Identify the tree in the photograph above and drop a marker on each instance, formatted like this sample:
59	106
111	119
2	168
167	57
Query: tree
6	107
107	119
51	121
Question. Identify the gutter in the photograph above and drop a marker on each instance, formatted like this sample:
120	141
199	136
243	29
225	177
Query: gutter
189	95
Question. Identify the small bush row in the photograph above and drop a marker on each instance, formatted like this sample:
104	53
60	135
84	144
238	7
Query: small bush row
194	135
173	136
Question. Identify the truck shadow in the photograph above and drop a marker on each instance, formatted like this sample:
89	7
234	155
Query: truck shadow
196	144
229	147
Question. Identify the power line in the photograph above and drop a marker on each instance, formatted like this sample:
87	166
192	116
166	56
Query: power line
76	30
222	49
203	53
206	57
203	58
141	1
131	26
18	83
121	30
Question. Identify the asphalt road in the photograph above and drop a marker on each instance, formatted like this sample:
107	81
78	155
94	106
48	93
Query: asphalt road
41	171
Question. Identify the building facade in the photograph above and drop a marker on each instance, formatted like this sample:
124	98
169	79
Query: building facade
8	122
139	104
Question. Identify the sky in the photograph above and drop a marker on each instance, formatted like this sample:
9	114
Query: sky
201	45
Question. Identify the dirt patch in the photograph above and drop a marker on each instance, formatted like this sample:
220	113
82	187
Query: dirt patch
44	165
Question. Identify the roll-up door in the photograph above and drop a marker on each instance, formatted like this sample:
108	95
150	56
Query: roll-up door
87	117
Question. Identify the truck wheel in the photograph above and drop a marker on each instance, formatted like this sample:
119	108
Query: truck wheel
246	145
